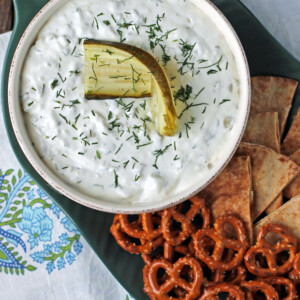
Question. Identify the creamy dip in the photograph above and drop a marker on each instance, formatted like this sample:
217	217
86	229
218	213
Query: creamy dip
110	149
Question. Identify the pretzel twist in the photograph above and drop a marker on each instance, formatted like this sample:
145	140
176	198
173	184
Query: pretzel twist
125	240
158	288
175	237
290	289
221	242
212	292
254	286
168	253
264	248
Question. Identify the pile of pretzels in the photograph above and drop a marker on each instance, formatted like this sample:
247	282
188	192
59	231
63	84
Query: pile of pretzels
185	258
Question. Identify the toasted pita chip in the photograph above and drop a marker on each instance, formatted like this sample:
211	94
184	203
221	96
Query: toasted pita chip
271	173
275	204
230	192
273	94
293	189
263	129
292	141
287	215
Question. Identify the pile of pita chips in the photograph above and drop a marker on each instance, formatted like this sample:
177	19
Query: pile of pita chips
273	94
271	173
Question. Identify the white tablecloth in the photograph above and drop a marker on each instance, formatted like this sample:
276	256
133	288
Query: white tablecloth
57	262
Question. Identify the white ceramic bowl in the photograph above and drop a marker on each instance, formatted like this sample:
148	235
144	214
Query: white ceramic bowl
53	180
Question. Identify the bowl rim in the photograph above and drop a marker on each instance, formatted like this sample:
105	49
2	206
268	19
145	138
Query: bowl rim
50	177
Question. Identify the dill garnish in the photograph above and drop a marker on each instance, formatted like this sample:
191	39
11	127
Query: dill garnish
158	153
224	101
54	84
116	179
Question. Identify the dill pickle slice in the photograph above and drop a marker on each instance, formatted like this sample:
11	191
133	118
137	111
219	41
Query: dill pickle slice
114	70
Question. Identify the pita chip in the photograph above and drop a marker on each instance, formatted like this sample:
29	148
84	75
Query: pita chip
275	204
271	173
292	141
230	192
287	215
263	129
293	189
273	94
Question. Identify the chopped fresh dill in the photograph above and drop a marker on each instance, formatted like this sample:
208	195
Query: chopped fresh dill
165	57
176	158
116	179
62	80
73	50
120	33
125	164
135	159
224	101
95	76
158	153
65	118
75	72
121	61
197	95
143	105
54	84
144	145
106	22
119	149
110	115
137	177
29	104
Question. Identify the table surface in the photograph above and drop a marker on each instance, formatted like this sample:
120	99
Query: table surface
6	15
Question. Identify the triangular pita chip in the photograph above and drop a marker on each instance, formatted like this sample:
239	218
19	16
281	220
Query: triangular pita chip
292	141
230	192
263	129
293	189
287	215
273	94
271	173
275	204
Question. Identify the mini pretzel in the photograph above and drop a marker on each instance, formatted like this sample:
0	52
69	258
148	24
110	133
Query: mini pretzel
143	228
218	235
290	288
125	241
158	288
257	285
288	243
212	292
235	276
187	228
168	253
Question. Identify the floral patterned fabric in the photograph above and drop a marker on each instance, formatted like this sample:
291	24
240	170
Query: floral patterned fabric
27	219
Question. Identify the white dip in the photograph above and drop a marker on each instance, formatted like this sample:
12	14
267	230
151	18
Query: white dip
113	151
